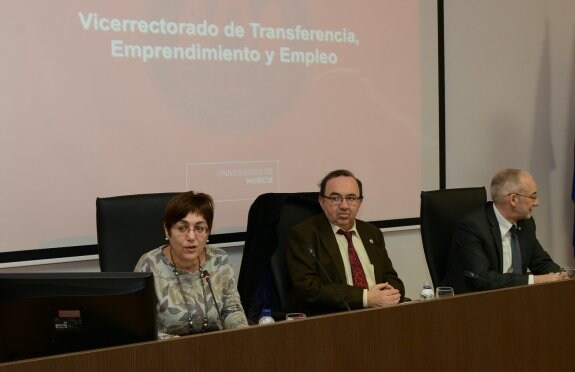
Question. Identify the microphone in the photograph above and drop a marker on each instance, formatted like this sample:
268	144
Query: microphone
206	276
311	252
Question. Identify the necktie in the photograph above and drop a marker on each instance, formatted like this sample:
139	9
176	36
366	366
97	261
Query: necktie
515	251
357	272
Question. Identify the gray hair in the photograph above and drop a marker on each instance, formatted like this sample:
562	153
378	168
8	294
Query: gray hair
506	182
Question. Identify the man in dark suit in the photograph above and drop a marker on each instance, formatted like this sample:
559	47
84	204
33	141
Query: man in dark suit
495	245
351	251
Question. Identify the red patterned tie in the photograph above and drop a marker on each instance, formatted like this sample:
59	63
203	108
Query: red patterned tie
357	272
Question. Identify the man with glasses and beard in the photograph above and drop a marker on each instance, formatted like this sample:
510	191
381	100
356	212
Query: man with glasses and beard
495	245
336	261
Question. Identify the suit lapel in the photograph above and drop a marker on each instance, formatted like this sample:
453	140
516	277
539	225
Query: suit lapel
372	249
495	233
328	241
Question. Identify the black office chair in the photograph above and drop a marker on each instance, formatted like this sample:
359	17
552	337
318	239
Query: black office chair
129	226
440	212
261	286
294	210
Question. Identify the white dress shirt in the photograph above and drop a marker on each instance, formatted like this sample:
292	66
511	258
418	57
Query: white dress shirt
361	253
505	229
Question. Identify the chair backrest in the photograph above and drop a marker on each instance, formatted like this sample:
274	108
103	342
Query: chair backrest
440	212
129	226
294	210
256	283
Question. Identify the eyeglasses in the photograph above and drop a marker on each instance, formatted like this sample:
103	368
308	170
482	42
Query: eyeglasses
532	197
198	229
338	199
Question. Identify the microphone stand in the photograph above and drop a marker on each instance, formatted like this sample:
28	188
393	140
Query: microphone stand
206	276
310	251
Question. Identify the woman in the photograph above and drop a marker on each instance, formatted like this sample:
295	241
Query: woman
185	269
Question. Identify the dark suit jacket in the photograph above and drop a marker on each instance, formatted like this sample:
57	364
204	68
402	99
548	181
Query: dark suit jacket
476	257
312	288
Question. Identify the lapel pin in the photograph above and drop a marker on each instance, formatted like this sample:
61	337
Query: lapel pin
371	241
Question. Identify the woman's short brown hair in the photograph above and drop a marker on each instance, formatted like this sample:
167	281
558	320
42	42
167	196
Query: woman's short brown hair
189	202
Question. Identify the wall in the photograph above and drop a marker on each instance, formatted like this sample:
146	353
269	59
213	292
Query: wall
510	102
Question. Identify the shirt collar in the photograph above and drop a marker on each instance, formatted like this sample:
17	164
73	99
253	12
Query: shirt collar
504	225
336	228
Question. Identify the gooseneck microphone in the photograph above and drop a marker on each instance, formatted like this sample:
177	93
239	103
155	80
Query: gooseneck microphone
311	252
206	276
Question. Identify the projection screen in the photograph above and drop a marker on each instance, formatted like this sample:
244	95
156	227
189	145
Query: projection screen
232	98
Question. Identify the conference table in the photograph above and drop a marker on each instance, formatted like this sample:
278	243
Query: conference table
527	328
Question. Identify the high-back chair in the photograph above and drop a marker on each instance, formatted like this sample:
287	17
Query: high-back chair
263	278
440	212
129	226
294	210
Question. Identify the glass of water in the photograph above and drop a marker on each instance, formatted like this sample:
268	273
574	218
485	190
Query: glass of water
444	292
569	272
295	316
